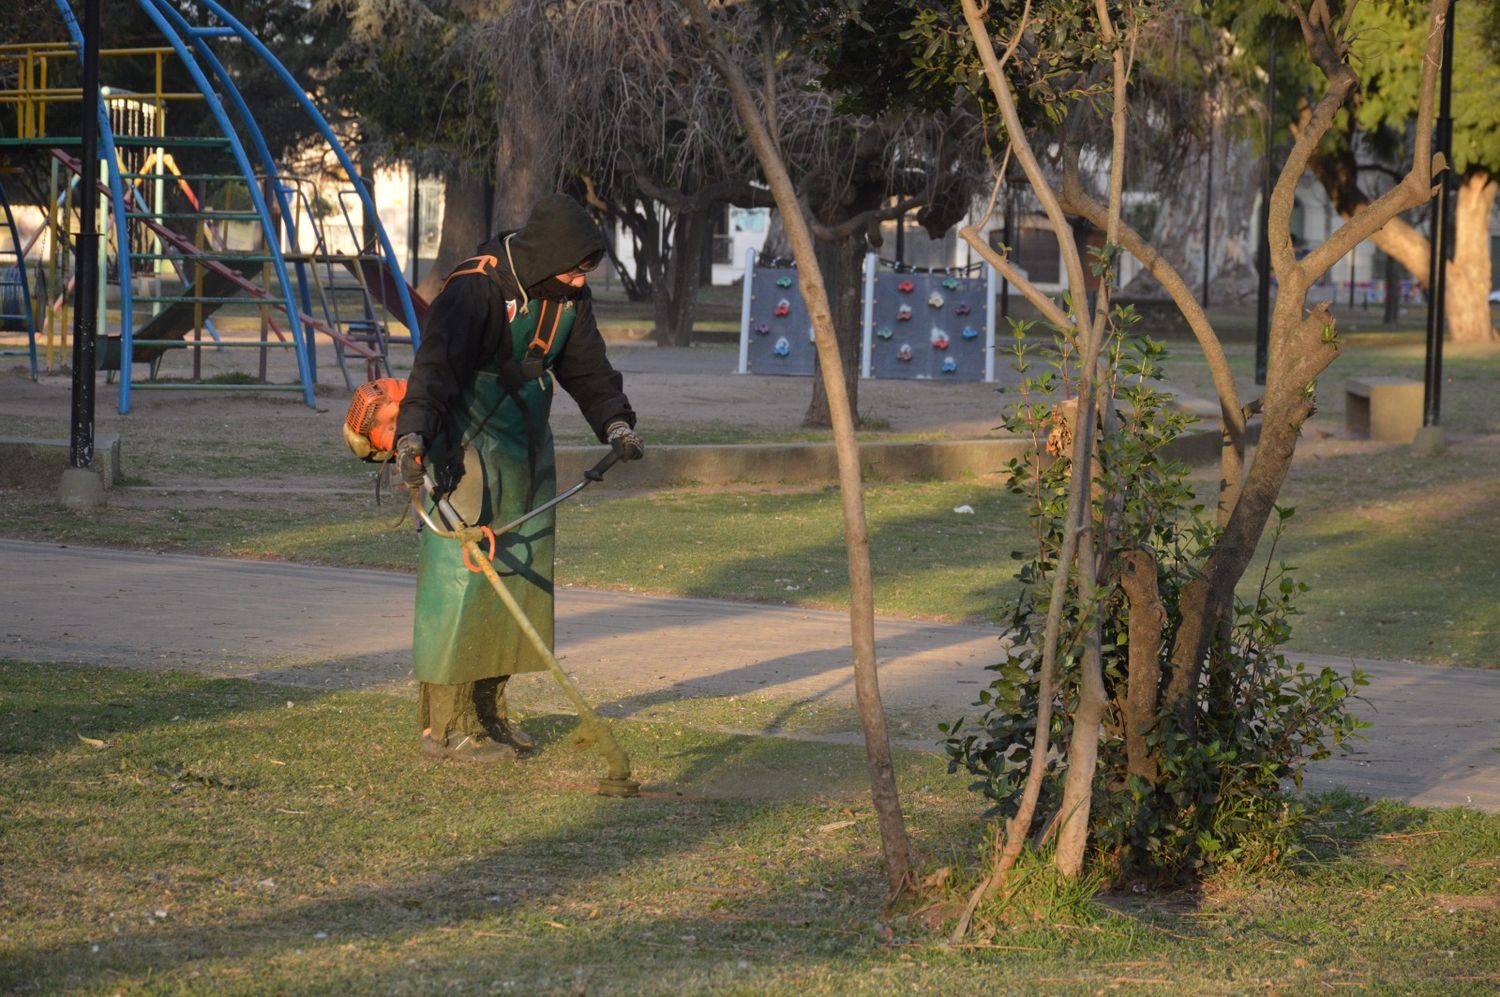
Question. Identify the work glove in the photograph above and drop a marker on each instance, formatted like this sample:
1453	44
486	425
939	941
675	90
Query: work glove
409	451
625	441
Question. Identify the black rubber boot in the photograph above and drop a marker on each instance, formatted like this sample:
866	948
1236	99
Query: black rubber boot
502	731
489	706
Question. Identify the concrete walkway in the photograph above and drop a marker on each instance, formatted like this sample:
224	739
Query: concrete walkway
1435	739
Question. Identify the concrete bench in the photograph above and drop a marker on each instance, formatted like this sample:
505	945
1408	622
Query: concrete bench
1388	409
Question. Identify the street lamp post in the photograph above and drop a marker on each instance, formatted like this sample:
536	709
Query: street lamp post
1430	438
82	487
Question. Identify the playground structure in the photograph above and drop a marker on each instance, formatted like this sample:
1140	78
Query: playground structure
17	313
178	246
917	324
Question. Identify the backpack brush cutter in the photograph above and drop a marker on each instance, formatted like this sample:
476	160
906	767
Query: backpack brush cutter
370	431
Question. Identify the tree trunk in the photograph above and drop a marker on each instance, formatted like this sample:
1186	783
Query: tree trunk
1083	763
464	228
843	263
644	225
775	247
1299	353
1392	291
1143	676
1468	308
525	161
884	793
675	305
1088	714
1179	229
368	239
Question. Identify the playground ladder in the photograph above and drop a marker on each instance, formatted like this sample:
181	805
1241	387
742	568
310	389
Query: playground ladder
346	300
219	279
15	290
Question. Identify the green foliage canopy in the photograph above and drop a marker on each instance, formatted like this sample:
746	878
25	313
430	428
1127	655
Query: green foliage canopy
1388	47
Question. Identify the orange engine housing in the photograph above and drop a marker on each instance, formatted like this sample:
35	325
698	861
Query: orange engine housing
370	425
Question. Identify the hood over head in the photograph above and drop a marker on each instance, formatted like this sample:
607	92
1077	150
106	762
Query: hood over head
557	237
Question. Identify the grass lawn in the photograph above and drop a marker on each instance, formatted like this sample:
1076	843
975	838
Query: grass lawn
1389	547
718	310
254	838
1469	401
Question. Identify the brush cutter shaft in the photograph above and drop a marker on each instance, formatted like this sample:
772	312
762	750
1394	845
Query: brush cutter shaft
595	473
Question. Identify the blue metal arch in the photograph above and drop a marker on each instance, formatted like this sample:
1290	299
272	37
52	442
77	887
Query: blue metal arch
187	41
263	151
317	118
216	107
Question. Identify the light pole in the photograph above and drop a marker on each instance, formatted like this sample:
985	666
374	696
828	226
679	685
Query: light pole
81	486
1430	438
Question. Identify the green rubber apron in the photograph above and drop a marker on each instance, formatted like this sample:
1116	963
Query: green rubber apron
463	632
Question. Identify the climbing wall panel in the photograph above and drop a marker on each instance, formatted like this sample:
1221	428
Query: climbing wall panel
928	326
780	336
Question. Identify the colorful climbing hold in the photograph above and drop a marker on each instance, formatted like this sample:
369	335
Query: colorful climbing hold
906	287
970	332
939	339
904	354
783	308
951	284
783	282
949	365
884	332
903	314
935	300
761	328
782	348
962	308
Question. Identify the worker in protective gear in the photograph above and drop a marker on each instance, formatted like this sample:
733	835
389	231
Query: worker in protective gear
508	323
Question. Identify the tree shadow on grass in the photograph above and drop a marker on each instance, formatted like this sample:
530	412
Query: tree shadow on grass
65	702
397	876
470	852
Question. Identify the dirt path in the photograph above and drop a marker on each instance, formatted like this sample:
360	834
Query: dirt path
1433	742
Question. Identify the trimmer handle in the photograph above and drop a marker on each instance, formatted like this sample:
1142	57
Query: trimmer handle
609	460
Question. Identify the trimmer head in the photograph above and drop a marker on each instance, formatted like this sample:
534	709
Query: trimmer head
619	787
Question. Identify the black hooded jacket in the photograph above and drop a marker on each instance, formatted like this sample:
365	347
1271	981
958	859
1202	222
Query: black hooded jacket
466	326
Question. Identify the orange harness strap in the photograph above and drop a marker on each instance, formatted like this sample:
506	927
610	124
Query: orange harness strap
478	267
538	344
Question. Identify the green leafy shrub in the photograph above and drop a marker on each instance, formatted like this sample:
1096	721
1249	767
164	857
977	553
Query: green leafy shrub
1219	793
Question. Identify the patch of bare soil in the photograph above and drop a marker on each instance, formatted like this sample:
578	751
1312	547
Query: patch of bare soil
1453	902
677	392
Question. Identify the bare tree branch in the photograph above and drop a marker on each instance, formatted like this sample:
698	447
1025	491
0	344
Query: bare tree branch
1413	189
894	840
1231	412
863	220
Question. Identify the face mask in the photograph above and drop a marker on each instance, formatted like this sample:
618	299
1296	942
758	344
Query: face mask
553	289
